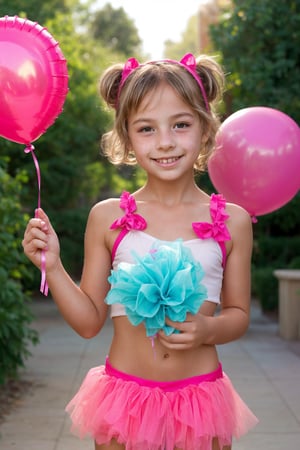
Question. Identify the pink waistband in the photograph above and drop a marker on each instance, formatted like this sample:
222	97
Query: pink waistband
164	385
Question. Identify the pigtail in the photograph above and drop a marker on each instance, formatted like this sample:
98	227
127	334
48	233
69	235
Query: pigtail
212	77
202	98
109	84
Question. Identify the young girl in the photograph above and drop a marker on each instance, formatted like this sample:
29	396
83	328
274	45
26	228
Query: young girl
166	392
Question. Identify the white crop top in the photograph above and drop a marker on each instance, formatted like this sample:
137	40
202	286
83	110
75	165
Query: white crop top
208	247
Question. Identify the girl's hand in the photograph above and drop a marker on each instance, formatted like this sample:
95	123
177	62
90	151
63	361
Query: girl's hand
40	235
192	333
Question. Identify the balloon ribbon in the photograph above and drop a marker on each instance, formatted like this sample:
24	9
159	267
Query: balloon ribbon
44	285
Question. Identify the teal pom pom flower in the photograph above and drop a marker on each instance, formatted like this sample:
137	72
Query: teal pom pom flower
166	282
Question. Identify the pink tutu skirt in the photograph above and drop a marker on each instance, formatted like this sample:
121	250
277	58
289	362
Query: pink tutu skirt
149	415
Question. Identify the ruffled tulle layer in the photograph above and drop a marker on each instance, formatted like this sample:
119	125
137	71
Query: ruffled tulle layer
144	418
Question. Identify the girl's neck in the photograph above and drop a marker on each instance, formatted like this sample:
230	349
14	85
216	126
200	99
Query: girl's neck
169	193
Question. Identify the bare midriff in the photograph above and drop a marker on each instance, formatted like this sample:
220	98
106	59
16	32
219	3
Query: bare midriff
145	357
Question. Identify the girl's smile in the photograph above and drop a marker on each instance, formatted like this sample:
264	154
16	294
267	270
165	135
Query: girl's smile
167	161
165	134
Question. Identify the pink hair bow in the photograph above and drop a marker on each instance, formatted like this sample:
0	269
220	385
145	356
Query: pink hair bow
188	62
130	65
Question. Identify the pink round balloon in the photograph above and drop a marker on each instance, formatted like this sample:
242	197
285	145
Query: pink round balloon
33	80
256	163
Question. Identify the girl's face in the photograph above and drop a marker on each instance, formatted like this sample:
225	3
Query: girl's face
165	134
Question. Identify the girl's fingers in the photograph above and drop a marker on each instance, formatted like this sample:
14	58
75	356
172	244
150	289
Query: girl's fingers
42	224
36	240
42	216
34	232
40	236
39	213
35	236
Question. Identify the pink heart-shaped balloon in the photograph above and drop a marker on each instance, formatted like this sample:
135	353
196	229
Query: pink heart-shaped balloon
33	80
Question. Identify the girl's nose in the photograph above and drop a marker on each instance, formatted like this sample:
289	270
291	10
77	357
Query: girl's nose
165	140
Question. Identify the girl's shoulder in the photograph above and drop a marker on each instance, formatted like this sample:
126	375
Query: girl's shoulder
105	211
239	221
237	212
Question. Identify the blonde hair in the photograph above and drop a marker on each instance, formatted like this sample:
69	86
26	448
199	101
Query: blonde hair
143	80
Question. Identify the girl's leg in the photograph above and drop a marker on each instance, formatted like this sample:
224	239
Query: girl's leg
215	445
112	446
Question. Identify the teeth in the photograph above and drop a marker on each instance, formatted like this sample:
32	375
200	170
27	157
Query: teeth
167	160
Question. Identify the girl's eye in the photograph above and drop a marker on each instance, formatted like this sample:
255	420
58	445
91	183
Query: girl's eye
146	129
182	125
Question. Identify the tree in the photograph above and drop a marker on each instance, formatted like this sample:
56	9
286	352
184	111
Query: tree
40	14
261	52
115	30
188	42
74	174
73	141
15	316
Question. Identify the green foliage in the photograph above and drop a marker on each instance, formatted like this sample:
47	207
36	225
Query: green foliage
271	253
29	9
283	222
188	42
261	52
15	315
74	174
265	288
70	226
276	246
115	30
281	251
73	141
15	333
295	263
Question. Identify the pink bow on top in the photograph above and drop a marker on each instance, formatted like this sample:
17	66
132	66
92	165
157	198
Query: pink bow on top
130	220
216	230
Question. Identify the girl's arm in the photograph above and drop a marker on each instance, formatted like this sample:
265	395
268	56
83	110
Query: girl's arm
233	320
82	306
